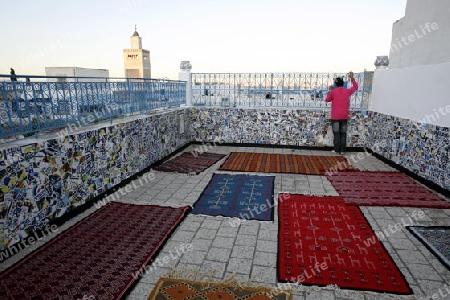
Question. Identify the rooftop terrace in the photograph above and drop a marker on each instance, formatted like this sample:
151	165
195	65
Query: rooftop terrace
249	251
88	139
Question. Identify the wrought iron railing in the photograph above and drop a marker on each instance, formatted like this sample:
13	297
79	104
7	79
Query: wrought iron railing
296	90
36	103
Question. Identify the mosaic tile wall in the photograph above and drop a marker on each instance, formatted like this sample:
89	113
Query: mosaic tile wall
273	126
43	181
421	148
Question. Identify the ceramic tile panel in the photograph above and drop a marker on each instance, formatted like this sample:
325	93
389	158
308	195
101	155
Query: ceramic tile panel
419	147
43	181
299	127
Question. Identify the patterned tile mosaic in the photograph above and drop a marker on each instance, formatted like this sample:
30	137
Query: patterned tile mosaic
273	126
45	180
421	148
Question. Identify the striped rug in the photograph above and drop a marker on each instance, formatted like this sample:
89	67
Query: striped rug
284	163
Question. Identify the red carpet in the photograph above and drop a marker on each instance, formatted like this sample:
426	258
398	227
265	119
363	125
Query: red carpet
323	241
96	258
284	163
189	163
384	189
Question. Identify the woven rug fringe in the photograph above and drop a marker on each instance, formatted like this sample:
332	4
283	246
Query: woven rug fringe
199	276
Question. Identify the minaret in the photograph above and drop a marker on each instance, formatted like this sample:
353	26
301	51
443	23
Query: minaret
136	59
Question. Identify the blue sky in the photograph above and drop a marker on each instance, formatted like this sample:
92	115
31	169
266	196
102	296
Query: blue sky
215	36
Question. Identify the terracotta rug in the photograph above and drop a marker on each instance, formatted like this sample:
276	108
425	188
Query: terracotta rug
284	163
242	196
97	257
178	289
384	189
436	239
323	241
190	163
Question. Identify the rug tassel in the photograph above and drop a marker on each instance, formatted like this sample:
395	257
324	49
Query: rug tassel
288	288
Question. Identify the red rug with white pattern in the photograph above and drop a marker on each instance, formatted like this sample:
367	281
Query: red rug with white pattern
97	258
384	189
323	241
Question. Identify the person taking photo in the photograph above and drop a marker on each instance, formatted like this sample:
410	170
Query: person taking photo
340	105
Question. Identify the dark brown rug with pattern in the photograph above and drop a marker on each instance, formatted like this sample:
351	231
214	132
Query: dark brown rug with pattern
190	163
97	258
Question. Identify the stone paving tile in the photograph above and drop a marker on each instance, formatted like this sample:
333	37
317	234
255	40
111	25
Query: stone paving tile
265	275
223	242
249	227
246	240
227	231
246	252
435	289
320	295
183	235
239	265
219	254
214	269
265	259
194	257
201	244
267	246
206	233
412	256
421	271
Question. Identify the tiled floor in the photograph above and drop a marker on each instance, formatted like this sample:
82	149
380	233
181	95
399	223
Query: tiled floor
248	252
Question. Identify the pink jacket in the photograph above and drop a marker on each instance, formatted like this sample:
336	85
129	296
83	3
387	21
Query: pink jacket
340	101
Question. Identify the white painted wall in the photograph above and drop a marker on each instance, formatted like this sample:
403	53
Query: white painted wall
422	36
77	72
418	93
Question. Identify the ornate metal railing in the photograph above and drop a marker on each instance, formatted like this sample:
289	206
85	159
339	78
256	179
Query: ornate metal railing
296	90
31	105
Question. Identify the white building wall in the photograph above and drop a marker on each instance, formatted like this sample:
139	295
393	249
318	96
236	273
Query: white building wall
421	37
76	72
417	93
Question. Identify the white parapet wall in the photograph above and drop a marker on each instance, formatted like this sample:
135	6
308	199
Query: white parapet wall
416	93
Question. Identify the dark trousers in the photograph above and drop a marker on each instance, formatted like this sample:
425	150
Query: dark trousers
340	135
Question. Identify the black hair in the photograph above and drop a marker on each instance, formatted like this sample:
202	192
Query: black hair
339	81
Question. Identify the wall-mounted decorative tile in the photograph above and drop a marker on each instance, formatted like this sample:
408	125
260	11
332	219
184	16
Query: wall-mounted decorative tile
421	148
43	181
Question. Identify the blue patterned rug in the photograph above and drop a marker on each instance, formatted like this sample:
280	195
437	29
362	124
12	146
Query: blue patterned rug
242	196
436	239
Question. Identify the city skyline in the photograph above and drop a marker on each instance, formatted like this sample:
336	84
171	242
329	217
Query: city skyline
231	36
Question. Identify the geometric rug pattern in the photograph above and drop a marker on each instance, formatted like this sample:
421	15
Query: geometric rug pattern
179	289
242	196
189	163
323	241
97	257
436	239
284	163
384	189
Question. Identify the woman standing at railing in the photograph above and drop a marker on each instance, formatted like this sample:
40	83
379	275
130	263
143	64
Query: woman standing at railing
340	104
